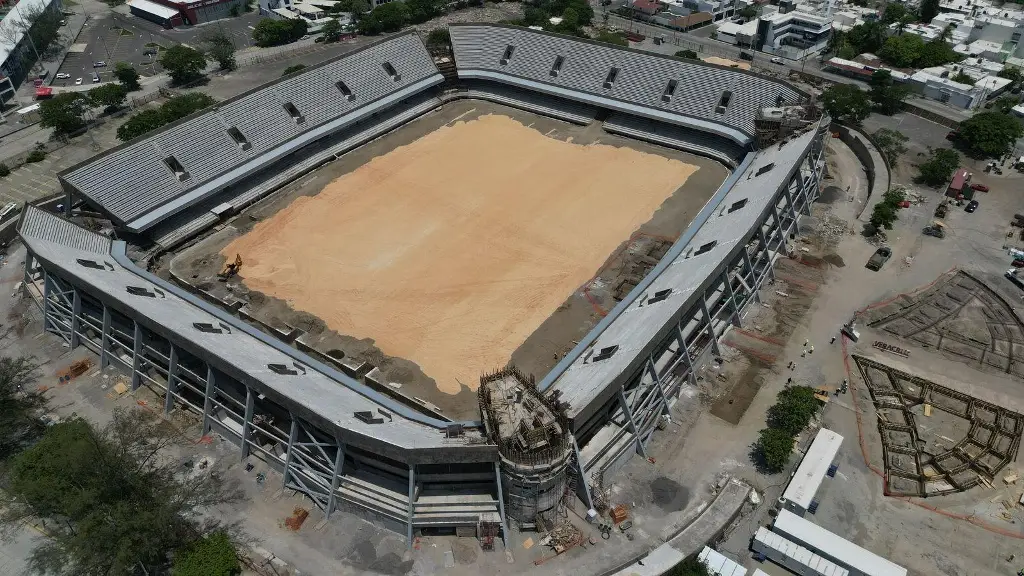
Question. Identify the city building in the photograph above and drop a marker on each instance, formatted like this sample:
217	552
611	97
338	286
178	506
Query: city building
17	54
170	13
802	31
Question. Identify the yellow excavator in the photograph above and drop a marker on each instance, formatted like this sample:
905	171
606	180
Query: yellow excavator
231	268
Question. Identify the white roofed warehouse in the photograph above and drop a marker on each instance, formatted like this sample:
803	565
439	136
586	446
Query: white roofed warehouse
336	427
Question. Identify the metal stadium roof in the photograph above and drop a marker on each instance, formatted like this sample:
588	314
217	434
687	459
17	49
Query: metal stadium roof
716	235
146	180
320	393
719	100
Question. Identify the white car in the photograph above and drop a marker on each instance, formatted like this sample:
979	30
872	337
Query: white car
78	81
95	77
63	76
777	60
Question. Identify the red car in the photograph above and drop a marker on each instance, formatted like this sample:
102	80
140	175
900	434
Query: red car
952	135
979	187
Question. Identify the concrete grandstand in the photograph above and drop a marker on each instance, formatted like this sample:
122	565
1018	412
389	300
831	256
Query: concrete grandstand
332	431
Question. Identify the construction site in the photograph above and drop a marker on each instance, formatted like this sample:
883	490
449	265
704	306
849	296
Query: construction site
501	275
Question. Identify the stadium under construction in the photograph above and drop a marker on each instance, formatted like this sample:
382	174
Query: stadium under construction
335	431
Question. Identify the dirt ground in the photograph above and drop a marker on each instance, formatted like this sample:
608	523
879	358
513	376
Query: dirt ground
576	267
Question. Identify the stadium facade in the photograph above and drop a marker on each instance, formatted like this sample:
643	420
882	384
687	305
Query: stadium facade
337	436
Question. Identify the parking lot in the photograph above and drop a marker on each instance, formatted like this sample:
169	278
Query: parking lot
109	41
238	28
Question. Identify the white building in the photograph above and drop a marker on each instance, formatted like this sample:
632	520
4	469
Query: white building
793	557
719	564
794	33
857	560
811	472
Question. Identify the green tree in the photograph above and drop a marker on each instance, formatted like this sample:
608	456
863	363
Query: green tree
886	95
271	32
962	78
902	51
867	37
185	104
64	112
936	53
183	64
929	9
846	102
1014	74
293	69
388	17
419	11
219	48
127	76
774	448
1003	104
139	124
112	501
990	134
20	408
690	567
109	96
793	410
332	31
439	38
894	12
937	170
213	555
891	143
884	215
687	54
748	12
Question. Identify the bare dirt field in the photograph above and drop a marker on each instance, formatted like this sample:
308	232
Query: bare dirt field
452	250
453	259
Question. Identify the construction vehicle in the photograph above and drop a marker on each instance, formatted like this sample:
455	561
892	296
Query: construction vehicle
231	268
937	229
941	210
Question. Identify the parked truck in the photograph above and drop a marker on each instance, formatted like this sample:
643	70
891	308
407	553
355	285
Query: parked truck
879	258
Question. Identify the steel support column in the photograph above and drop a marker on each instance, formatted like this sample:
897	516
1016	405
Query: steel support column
583	475
208	401
46	301
292	436
768	253
412	499
783	231
250	404
789	200
76	312
753	277
657	382
632	425
339	468
501	511
172	386
136	356
732	298
686	354
105	339
711	328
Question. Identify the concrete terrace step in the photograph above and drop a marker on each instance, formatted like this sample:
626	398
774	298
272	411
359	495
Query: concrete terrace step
544	109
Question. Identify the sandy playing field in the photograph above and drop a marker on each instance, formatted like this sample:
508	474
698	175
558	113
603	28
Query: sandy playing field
452	250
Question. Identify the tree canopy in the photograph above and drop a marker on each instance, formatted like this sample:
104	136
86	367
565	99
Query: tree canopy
990	134
20	408
894	12
846	103
911	51
891	143
64	112
213	555
687	54
331	30
183	64
112	504
885	94
690	567
272	32
127	76
929	9
938	169
774	447
109	96
219	48
293	69
388	17
886	211
174	109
